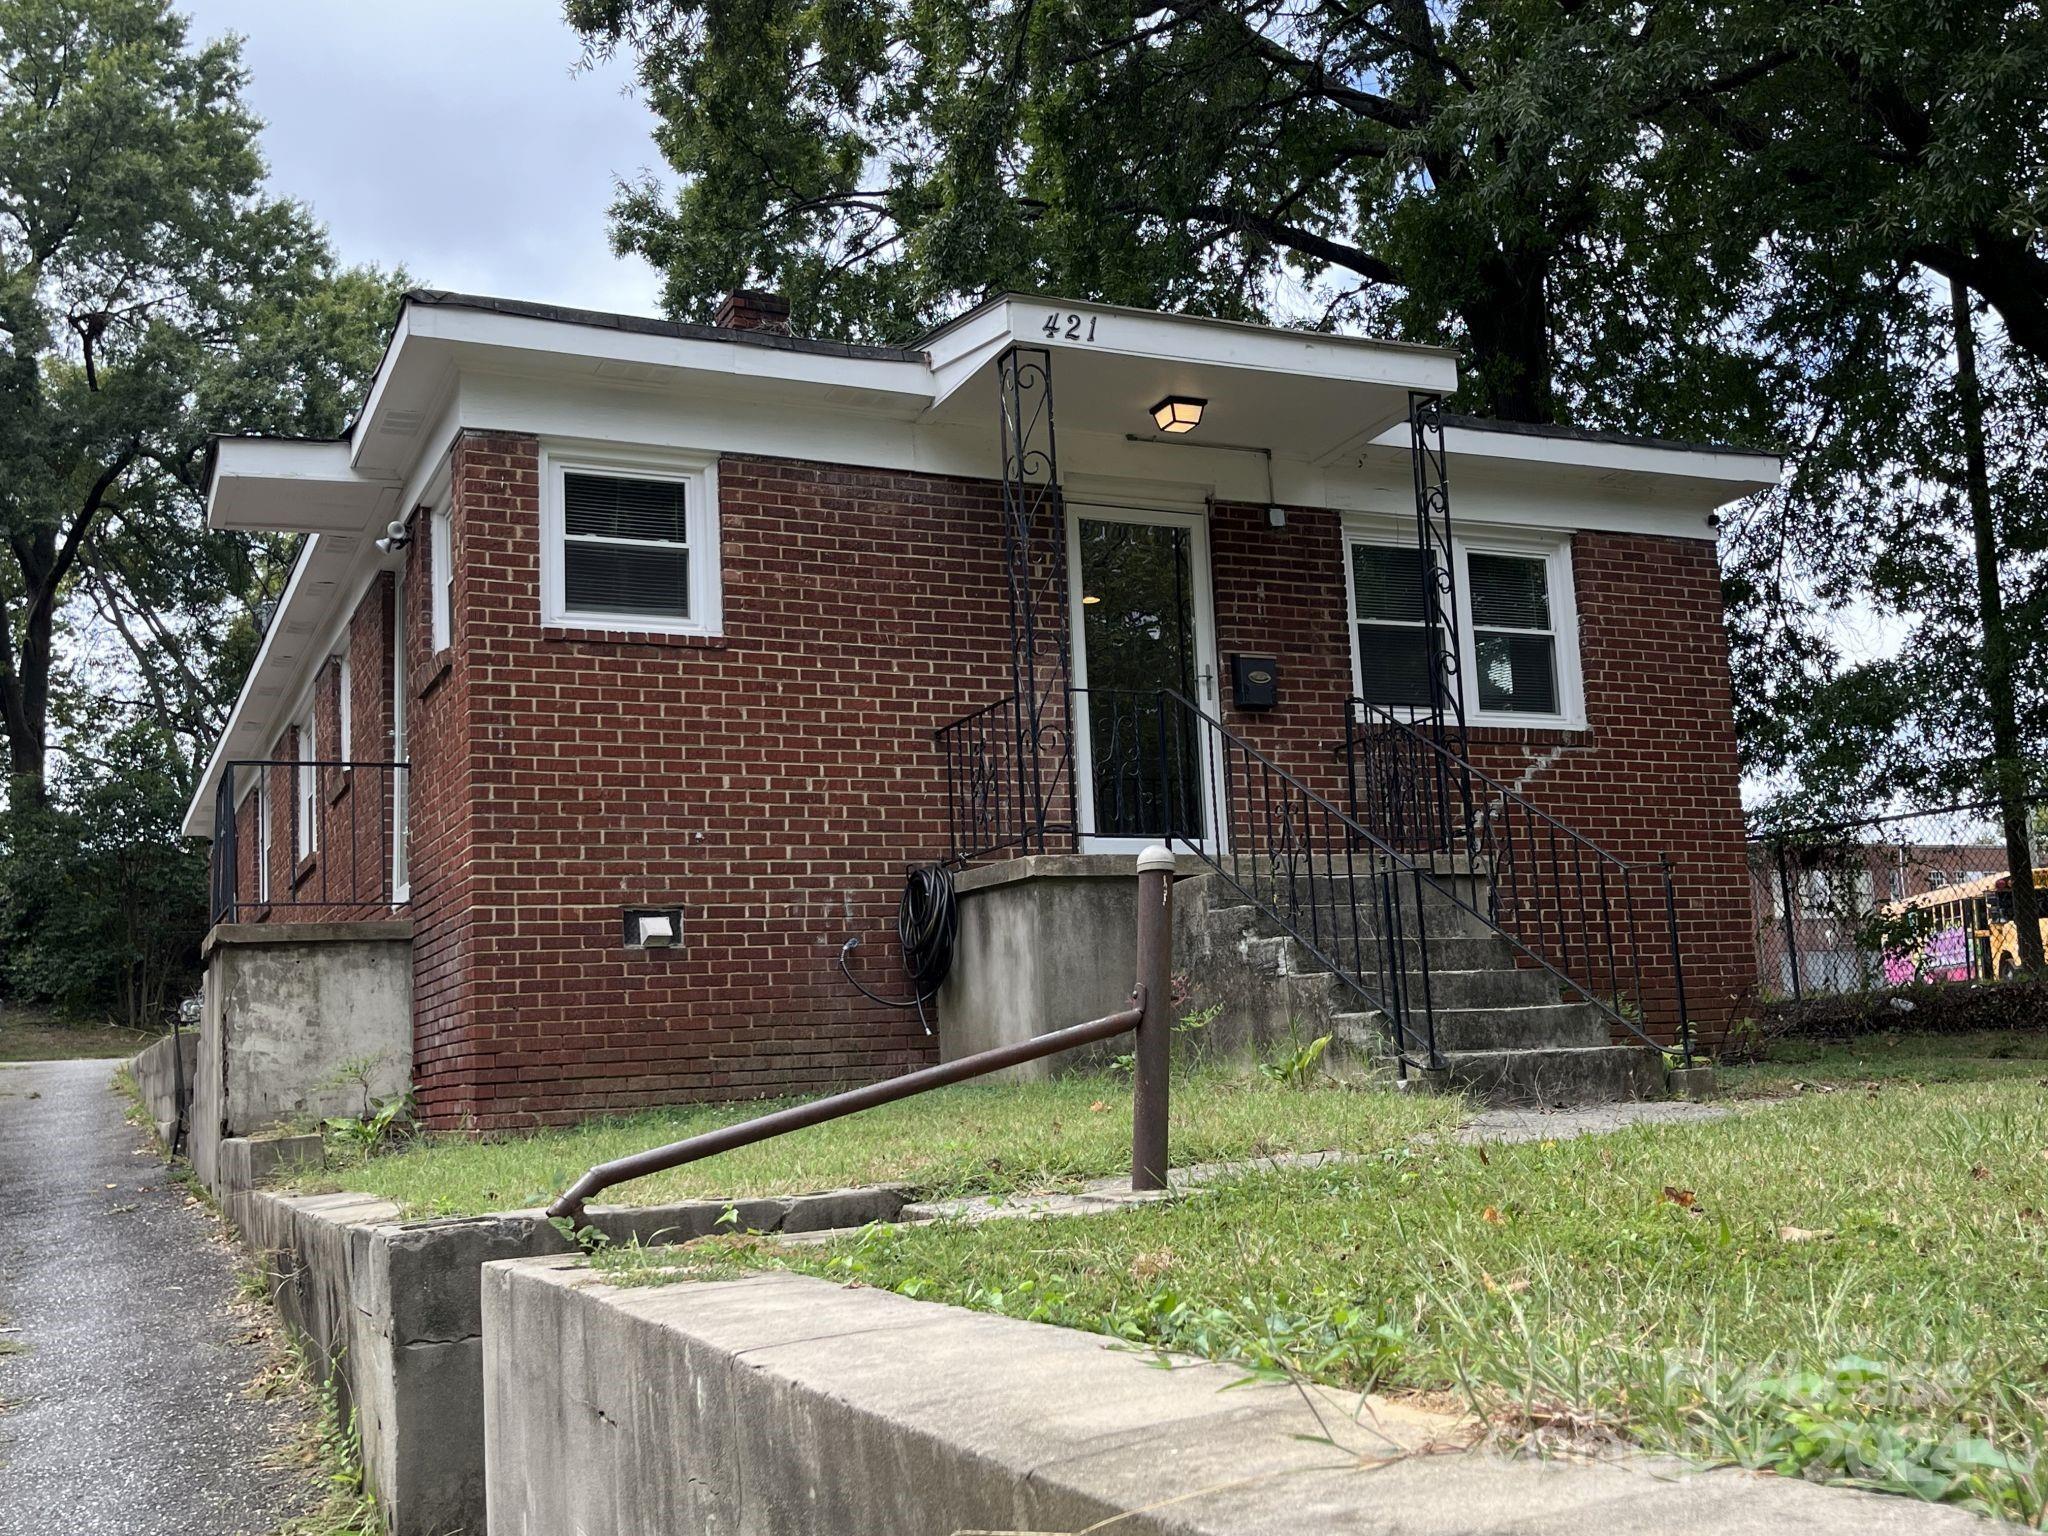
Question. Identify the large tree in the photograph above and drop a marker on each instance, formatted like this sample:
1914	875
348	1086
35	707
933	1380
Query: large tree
1890	161
1451	173
151	293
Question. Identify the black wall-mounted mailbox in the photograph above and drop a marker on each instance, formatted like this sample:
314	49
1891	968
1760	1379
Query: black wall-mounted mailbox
1254	682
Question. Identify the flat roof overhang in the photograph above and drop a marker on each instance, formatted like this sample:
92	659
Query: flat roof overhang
293	485
1693	476
434	343
1298	394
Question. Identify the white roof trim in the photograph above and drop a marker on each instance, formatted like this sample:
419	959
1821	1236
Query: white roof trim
961	348
1742	472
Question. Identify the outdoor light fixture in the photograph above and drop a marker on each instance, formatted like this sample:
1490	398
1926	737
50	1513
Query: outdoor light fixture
1089	599
1178	413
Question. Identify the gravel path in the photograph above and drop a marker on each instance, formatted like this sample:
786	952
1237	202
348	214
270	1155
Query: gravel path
127	1411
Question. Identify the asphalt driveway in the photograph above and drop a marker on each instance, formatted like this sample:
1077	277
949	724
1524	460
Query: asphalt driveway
126	1409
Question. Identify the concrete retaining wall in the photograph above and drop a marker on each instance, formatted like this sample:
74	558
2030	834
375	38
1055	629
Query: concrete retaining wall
393	1310
780	1405
290	1009
159	1074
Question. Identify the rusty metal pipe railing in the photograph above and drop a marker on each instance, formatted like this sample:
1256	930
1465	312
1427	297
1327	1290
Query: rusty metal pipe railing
1148	1015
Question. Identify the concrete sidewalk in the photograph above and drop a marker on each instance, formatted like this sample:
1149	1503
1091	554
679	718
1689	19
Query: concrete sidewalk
127	1409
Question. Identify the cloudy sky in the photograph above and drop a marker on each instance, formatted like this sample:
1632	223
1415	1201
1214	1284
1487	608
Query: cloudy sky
454	137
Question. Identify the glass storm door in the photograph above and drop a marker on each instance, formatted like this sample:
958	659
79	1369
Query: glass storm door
1141	642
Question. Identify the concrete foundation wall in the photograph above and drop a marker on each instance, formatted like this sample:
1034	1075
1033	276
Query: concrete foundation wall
392	1311
300	1021
782	1405
1052	940
1044	942
159	1075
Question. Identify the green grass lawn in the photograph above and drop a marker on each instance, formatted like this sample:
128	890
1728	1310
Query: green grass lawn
1977	1056
972	1138
28	1034
1849	1284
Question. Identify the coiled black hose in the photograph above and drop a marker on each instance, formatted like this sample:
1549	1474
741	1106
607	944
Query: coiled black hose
927	926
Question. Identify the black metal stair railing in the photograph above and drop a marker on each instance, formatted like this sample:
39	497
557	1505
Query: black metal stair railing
1367	913
1605	928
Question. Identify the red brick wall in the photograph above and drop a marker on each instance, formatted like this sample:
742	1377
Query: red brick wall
346	873
775	781
1655	771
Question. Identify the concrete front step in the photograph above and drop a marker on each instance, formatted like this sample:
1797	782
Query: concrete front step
1504	1030
1438	908
1543	1027
1488	979
1602	1074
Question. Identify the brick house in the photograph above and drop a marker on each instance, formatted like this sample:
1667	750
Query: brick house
707	632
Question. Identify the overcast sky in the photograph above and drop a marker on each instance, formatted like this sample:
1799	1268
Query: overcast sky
453	137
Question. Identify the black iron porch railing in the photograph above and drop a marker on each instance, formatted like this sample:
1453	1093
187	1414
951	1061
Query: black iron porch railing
1605	928
309	839
1007	788
1160	768
1369	887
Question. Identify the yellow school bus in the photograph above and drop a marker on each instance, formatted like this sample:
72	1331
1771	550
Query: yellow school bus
2001	931
1944	934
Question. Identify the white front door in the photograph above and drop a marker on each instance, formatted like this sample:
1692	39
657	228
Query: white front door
1144	642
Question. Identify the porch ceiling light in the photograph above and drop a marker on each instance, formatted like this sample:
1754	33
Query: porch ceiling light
1178	413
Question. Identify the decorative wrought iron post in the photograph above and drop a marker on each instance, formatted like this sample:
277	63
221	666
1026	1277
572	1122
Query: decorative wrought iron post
1035	568
1445	719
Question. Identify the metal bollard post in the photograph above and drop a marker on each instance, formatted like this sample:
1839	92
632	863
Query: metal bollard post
1155	1030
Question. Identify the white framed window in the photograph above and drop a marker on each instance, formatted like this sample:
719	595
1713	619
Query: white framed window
1517	636
307	786
441	556
1389	629
630	543
263	833
1520	622
344	711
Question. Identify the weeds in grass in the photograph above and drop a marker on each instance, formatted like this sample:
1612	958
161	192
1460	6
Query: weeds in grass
333	1448
721	1256
1297	1066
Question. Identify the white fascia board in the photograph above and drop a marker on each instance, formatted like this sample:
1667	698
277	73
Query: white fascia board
290	485
958	351
601	345
1738	473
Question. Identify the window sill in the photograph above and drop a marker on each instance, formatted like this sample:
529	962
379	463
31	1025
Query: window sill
583	634
426	677
1532	732
338	783
304	869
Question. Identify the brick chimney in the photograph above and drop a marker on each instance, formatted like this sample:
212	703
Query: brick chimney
753	309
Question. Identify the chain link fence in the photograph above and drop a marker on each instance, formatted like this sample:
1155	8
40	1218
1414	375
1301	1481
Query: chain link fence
1856	906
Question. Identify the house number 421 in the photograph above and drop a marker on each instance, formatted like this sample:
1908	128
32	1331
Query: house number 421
1070	327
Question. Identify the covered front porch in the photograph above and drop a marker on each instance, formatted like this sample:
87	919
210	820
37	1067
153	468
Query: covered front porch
1324	695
